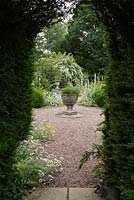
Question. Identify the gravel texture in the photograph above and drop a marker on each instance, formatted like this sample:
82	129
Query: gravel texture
73	135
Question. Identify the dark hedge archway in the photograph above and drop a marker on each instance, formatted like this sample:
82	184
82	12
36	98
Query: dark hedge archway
20	21
118	139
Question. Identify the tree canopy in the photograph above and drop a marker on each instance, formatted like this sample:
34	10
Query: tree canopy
83	36
51	38
85	40
21	19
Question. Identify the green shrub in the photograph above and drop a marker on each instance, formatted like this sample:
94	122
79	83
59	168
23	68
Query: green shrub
37	98
15	114
94	95
53	67
70	90
118	130
52	99
97	94
33	164
16	67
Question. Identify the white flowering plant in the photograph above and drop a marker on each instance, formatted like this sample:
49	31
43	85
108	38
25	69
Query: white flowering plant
34	164
52	99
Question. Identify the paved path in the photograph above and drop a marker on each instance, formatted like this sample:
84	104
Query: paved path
65	194
73	136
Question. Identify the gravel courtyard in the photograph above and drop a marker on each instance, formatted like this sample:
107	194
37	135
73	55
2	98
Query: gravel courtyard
73	135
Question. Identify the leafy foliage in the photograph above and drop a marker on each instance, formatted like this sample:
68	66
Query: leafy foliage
96	152
42	98
118	146
85	40
70	90
93	95
53	67
17	33
15	116
41	132
118	130
33	164
114	16
51	38
37	97
52	99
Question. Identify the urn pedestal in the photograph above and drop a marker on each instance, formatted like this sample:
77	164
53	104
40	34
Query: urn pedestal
69	100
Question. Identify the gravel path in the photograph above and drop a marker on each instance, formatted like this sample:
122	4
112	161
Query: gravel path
73	136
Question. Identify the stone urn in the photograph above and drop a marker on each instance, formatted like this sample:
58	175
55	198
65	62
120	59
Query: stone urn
69	98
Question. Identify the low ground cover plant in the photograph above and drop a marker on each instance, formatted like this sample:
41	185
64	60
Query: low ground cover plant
52	99
33	164
41	132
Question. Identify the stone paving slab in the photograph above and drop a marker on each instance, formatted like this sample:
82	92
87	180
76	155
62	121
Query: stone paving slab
61	194
49	194
83	194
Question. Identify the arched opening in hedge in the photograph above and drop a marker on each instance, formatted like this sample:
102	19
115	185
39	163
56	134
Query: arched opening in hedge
16	41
